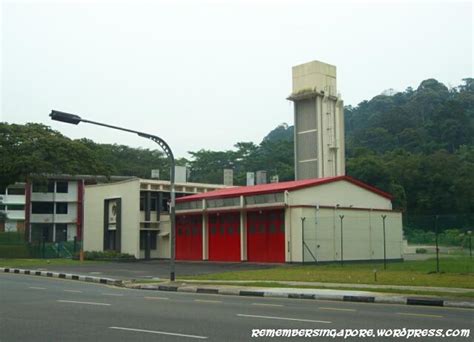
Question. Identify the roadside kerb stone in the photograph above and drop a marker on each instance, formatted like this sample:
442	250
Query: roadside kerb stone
61	275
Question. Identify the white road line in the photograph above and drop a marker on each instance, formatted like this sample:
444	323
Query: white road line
207	301
337	309
112	294
73	291
284	318
88	303
163	298
160	332
37	288
420	315
264	304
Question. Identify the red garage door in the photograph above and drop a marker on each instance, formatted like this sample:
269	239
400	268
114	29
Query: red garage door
189	237
224	237
266	236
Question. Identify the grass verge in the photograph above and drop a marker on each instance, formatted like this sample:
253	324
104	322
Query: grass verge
455	272
38	263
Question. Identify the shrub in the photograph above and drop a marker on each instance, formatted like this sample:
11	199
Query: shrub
106	255
14	251
421	251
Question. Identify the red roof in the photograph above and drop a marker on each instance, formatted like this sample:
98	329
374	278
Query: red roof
278	187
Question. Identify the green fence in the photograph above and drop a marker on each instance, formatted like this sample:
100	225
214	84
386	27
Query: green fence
13	245
450	231
50	250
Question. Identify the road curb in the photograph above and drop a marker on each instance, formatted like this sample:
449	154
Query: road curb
247	293
61	275
294	295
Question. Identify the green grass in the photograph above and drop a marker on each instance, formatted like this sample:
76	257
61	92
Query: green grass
466	295
458	272
38	263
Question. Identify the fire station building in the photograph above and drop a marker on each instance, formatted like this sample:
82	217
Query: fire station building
309	220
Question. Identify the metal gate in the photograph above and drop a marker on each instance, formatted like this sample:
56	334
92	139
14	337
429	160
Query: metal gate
224	237
266	236
189	237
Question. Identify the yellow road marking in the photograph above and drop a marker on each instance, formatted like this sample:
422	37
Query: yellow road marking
207	301
265	304
162	298
337	309
420	315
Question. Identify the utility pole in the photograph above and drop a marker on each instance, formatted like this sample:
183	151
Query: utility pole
384	244
342	239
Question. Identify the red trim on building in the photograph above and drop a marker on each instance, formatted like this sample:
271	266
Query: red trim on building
279	187
27	210
345	208
80	209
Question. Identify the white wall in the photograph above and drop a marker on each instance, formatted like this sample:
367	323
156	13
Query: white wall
362	234
341	192
95	195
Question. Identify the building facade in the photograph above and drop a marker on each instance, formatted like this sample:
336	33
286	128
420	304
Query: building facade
318	122
54	209
12	205
314	220
132	216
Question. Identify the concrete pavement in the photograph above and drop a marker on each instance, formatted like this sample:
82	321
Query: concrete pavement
45	309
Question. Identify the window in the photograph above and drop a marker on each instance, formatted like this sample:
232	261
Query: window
16	191
266	198
2	207
272	228
154	202
42	207
43	187
143	238
42	232
226	202
61	232
61	208
62	187
16	207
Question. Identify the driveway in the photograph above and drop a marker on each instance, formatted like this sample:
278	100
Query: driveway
155	268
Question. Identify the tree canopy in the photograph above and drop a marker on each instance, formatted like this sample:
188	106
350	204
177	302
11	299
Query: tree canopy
417	144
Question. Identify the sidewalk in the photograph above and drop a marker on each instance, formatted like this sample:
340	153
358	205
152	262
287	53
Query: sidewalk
340	285
298	293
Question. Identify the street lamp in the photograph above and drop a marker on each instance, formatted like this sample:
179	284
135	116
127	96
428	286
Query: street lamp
76	119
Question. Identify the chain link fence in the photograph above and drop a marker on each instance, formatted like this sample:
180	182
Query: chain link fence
376	236
342	237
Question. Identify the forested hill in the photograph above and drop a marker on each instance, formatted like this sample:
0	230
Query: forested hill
416	144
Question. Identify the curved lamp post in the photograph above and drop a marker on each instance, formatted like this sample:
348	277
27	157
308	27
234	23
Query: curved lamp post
76	119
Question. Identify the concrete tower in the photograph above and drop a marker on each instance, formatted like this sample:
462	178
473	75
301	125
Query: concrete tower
319	121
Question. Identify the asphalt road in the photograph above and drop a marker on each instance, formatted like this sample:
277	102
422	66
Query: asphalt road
154	268
45	309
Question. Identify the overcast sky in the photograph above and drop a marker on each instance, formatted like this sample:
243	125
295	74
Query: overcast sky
208	74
